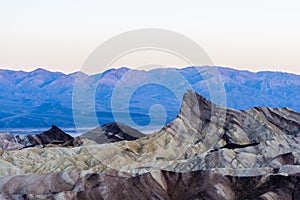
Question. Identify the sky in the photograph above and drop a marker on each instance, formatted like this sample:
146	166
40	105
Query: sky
60	35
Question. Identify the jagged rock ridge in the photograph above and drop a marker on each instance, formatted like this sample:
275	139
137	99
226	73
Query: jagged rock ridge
195	140
52	136
112	132
258	146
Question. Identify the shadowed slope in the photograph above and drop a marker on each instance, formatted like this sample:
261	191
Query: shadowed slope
112	132
210	152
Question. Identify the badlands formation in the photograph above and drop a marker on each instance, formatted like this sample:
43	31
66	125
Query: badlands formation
207	152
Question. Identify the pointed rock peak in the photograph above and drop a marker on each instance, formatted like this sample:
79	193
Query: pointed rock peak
194	103
56	133
55	127
112	132
190	95
196	113
116	127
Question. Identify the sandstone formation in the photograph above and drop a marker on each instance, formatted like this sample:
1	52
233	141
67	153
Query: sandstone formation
207	152
112	132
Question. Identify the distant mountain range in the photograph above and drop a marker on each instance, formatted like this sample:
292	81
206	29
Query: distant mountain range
41	98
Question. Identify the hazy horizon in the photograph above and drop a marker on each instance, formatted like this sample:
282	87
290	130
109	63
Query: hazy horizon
59	36
170	67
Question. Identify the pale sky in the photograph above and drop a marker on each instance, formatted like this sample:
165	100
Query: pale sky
59	35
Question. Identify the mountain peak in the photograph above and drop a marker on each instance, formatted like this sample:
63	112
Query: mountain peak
40	70
194	105
216	126
244	90
112	132
54	133
54	127
44	71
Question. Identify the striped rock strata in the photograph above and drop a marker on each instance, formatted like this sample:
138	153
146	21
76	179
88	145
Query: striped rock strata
205	138
261	184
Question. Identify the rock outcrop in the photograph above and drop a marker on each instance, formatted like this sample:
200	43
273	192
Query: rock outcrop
207	152
206	184
53	136
9	142
112	132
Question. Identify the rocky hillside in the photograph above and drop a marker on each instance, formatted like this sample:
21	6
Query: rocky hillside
206	184
207	152
112	132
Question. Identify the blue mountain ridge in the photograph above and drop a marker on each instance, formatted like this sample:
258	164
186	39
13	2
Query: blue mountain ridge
40	98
